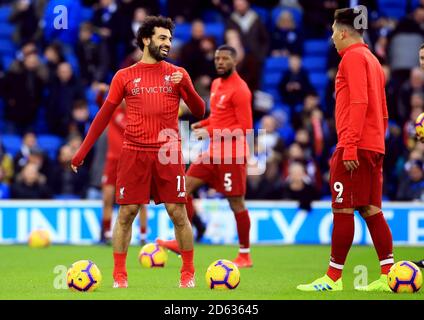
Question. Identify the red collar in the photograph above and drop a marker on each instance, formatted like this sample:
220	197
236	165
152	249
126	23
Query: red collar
351	47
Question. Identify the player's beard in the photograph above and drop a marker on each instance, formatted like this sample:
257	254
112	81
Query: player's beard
225	74
154	51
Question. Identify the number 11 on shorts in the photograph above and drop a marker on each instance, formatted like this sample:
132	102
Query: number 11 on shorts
179	183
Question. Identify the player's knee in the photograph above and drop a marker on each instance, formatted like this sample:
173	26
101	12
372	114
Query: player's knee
236	204
178	216
368	211
127	215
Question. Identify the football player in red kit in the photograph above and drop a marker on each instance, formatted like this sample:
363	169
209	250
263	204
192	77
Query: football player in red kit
152	89
223	166
115	139
356	167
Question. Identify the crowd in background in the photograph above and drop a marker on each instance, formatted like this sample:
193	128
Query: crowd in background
58	80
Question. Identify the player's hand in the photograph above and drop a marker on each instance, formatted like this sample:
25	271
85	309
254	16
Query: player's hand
351	165
201	133
75	168
176	77
196	125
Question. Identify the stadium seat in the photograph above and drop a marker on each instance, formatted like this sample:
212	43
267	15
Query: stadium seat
276	64
319	80
86	13
4	191
182	31
316	47
6	61
6	30
11	143
392	8
315	64
297	15
274	92
263	14
271	79
50	144
5	12
215	30
211	16
7	47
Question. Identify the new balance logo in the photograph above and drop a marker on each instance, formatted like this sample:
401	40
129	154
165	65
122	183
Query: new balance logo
136	81
121	193
181	194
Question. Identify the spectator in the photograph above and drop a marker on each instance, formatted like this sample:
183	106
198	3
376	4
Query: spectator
26	21
205	72
64	181
411	186
108	23
191	51
53	55
24	85
182	11
298	186
295	84
80	119
409	133
29	141
30	184
6	167
415	84
286	38
409	33
270	145
266	186
88	54
132	21
248	65
64	91
251	29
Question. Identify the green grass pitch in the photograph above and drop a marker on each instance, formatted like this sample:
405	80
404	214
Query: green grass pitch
29	273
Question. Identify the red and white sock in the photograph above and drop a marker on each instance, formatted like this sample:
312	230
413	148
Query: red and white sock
143	233
106	225
243	230
341	241
187	257
382	239
119	264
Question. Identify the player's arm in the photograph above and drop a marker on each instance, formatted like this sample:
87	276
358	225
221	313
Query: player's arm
100	121
356	76
194	102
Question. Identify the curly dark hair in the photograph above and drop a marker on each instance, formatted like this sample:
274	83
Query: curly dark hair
347	16
147	28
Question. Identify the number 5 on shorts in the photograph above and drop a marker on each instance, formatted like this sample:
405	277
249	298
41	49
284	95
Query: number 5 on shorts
228	183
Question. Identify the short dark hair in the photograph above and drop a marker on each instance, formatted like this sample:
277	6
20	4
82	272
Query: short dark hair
226	47
147	28
347	17
422	46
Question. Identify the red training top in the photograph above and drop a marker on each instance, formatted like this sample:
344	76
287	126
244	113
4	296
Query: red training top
361	110
231	108
115	133
152	107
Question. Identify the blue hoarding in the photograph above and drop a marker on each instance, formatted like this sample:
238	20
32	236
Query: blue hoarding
278	222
